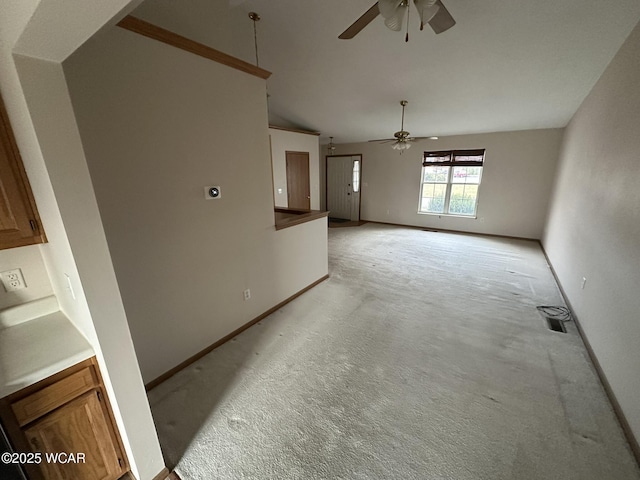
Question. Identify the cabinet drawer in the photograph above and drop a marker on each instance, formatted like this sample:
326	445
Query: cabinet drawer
49	398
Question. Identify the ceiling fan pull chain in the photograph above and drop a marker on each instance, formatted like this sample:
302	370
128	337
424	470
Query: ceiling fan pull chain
406	38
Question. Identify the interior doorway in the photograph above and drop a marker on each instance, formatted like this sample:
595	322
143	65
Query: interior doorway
298	183
343	187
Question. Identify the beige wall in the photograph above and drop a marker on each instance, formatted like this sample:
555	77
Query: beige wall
513	198
282	142
593	229
226	29
158	124
78	248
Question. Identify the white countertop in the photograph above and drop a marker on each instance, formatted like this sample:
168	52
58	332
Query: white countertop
37	341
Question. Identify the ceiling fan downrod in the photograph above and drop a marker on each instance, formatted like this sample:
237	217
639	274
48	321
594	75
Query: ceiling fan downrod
255	18
404	104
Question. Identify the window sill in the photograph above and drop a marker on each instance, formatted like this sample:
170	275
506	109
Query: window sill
472	217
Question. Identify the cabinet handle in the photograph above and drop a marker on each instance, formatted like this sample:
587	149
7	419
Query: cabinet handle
99	396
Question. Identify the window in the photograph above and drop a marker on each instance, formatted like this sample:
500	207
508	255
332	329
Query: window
450	181
356	176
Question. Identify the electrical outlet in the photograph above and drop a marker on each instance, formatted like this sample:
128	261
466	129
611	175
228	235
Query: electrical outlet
247	294
13	280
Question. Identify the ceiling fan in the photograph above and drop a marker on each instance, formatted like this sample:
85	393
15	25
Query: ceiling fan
402	140
432	12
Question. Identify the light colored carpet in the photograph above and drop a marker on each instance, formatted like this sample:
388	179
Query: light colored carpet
422	357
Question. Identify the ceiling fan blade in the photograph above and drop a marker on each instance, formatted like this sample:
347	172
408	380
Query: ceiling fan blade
360	23
384	140
442	20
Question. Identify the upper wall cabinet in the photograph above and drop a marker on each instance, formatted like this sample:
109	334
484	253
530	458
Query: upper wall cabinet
19	220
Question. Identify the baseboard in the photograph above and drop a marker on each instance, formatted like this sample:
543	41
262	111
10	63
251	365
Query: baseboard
622	419
444	230
163	475
157	381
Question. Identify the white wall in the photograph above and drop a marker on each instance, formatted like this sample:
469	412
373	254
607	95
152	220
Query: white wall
29	260
593	229
518	176
283	141
34	90
158	124
15	17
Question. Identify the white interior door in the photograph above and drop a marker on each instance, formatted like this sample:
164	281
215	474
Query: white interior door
343	197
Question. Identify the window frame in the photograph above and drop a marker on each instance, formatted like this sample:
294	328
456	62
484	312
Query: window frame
451	159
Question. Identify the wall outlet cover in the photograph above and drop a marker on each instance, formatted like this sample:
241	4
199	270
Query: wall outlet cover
13	280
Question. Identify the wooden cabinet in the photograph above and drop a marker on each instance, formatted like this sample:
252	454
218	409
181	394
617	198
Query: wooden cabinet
19	220
68	419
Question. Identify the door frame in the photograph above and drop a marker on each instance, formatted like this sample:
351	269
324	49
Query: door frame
326	181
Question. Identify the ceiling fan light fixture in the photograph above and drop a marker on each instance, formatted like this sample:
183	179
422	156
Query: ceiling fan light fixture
388	8
431	12
331	147
402	142
402	139
427	9
394	12
401	145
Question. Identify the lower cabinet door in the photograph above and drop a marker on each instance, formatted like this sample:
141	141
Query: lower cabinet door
76	441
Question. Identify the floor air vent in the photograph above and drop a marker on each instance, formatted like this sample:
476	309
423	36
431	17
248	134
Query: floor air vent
556	325
555	317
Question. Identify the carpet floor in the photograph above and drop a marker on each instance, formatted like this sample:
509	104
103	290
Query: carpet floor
422	357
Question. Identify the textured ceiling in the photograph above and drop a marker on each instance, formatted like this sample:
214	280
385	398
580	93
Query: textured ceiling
513	65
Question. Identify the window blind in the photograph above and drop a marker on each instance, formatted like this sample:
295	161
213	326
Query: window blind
454	158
